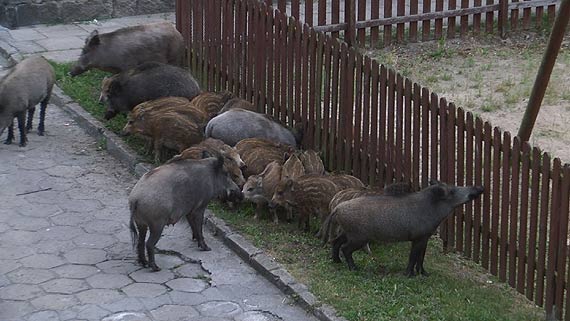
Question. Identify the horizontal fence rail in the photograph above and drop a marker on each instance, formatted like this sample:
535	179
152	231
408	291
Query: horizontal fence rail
382	22
371	121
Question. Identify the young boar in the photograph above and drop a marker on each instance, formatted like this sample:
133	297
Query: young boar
260	188
237	102
215	147
292	168
344	181
312	162
145	82
167	128
167	193
257	153
211	103
237	124
30	82
308	195
129	47
413	217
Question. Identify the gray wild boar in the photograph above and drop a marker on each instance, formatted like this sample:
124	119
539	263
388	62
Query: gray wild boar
167	128
260	188
211	102
308	195
27	84
413	217
257	153
148	81
215	147
167	193
312	162
129	47
237	124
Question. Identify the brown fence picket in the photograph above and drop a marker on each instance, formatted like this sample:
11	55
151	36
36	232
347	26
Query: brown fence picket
387	28
533	226
374	125
451	20
496	201
486	213
426	23
438	21
375	14
401	11
524	217
543	229
366	110
505	202
562	256
382	125
459	153
416	140
469	162
553	229
357	155
514	210
408	157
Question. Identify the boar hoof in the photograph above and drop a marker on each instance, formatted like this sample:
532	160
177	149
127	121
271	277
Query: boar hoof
154	267
410	274
40	133
23	144
424	273
143	263
204	247
8	142
336	259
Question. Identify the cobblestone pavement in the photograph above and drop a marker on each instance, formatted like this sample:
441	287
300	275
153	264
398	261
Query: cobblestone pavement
65	248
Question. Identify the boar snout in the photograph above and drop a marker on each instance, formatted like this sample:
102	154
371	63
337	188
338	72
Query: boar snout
110	114
477	190
234	195
76	70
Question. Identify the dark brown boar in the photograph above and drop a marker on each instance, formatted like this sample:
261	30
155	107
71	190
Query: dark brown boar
308	195
344	181
167	128
312	162
148	81
167	193
129	47
211	103
27	84
215	147
257	153
260	188
237	102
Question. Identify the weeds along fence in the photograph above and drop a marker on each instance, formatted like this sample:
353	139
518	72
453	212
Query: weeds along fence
370	121
382	22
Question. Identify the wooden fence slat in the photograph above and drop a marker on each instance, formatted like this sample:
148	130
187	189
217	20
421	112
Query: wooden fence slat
455	218
479	236
438	21
335	15
361	33
533	226
514	217
399	117
543	229
489	18
562	243
304	86
375	14
505	202
460	174
416	140
469	160
372	174
524	217
340	134
366	109
296	9
425	136
347	116
381	116
486	214
318	87
332	151
451	20
408	157
496	201
477	18
443	173
308	12
401	11
325	138
553	229
413	28
426	23
387	28
291	44
322	19
357	155
313	88
464	19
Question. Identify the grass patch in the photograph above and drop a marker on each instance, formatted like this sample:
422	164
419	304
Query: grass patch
456	290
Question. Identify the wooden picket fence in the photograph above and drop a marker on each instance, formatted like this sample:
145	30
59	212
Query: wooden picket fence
371	121
382	22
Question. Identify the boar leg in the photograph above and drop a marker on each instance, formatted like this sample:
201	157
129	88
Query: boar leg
141	245
348	248
41	126
10	137
337	243
31	112
155	233
258	210
420	264
192	224
198	221
273	212
22	128
415	254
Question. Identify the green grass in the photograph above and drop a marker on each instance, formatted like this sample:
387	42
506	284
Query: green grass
456	290
85	90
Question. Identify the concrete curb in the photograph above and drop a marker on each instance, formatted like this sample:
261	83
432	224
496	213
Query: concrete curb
261	262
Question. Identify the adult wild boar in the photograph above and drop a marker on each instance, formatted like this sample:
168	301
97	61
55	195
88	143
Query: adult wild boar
27	84
215	147
145	82
237	124
129	47
176	127
257	153
167	193
412	217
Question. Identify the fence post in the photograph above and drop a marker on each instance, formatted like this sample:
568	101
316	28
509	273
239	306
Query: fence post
350	19
503	17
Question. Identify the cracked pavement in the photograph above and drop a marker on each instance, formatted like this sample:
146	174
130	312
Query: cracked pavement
66	253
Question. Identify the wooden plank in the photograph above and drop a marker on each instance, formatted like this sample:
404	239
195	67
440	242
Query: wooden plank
408	130
426	31
451	20
375	14
538	17
443	174
335	15
317	103
469	161
425	136
322	18
562	243
291	43
490	18
477	18
298	72
416	140
533	226
399	124
284	66
334	105
350	20
524	217
309	12
366	94
348	111
384	127
295	9
439	21
514	17
453	233
278	65
486	214
250	52
281	5
303	86
413	29
542	231
514	214
387	28
478	235
457	156
325	138
553	239
313	88
464	18
361	33
357	154
505	202
401	11
341	134
373	164
495	210
434	141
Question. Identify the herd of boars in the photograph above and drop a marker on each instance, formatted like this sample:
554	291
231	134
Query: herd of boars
225	149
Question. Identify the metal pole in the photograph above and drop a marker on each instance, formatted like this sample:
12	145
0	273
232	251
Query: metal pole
543	76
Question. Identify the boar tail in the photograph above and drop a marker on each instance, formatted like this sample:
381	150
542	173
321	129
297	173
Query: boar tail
132	226
326	228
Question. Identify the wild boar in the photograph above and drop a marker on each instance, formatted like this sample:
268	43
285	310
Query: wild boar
257	153
293	168
211	103
167	193
27	84
308	195
215	147
237	124
167	128
237	102
260	188
344	181
105	84
129	47
412	217
312	162
145	82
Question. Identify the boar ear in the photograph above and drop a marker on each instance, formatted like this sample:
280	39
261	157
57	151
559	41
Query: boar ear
433	181
438	192
206	154
219	164
93	39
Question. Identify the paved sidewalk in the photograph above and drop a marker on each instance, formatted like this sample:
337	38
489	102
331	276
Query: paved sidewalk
65	248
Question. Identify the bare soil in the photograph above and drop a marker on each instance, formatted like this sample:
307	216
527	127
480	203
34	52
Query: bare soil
493	78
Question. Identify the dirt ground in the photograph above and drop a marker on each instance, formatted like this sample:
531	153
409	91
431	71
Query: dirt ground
493	78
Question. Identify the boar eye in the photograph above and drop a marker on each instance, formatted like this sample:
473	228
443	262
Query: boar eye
250	189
